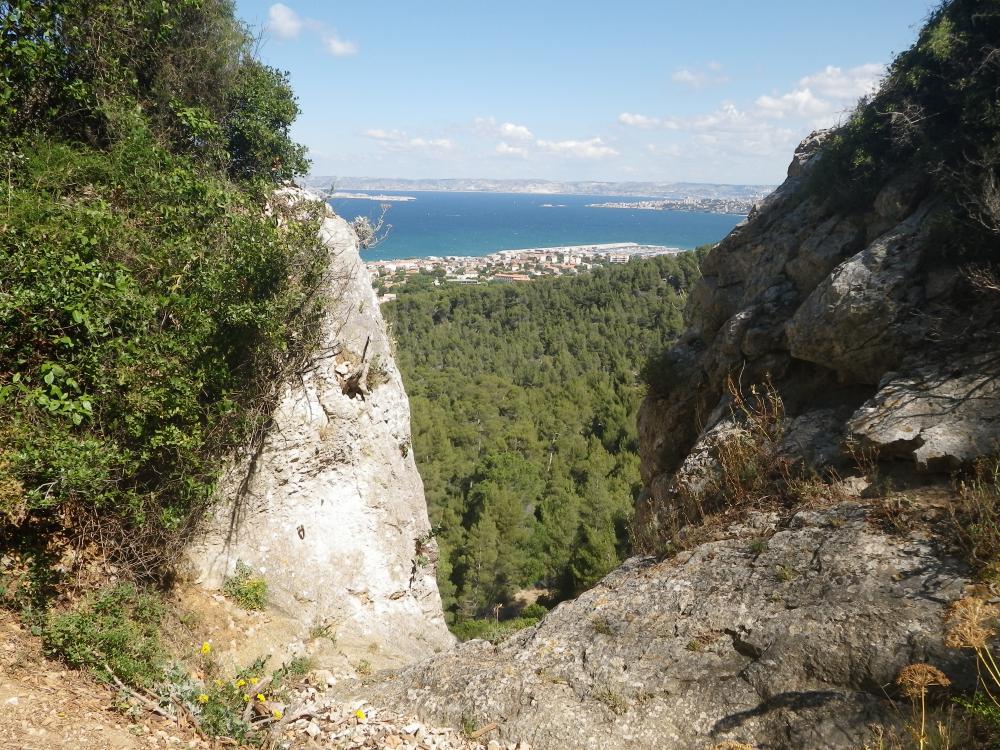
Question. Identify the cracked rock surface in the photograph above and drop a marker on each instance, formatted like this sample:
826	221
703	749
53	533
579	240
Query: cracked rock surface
859	315
791	646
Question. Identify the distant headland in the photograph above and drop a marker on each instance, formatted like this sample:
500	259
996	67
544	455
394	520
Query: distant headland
666	190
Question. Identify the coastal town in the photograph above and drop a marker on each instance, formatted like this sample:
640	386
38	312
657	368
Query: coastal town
738	206
507	266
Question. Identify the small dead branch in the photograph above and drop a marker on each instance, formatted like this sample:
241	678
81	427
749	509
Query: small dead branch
371	234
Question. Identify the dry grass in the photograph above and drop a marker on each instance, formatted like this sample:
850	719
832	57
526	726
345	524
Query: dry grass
975	515
750	473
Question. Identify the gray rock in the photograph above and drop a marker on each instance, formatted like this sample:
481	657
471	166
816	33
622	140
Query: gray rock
787	649
857	320
942	417
834	240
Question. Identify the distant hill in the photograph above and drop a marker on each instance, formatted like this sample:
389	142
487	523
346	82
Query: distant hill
645	189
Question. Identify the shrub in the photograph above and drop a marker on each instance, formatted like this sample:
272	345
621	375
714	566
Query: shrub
149	307
114	633
186	64
935	109
491	630
245	588
534	611
975	515
261	108
614	700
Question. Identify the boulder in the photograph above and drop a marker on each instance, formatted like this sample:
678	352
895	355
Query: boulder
792	642
329	508
858	320
941	416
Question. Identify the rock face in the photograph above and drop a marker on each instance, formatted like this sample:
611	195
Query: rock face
789	646
861	324
330	510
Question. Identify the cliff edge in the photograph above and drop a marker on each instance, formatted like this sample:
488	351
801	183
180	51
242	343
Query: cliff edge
330	509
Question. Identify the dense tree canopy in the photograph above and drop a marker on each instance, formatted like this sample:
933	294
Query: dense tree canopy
524	401
74	69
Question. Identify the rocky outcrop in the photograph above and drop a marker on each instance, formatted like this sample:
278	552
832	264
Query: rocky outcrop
330	510
791	641
861	324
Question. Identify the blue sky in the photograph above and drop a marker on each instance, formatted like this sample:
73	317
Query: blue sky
711	91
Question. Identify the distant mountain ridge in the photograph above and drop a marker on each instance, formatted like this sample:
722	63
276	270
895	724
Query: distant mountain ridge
645	189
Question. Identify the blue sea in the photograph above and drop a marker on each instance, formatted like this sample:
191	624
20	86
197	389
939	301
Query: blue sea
441	223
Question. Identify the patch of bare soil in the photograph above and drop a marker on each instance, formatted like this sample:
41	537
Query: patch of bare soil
44	705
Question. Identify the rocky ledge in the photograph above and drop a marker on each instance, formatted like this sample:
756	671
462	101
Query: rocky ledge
783	633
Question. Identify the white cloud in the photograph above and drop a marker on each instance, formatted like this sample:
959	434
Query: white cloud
824	95
695	80
592	148
488	126
765	130
517	132
339	47
283	21
385	135
644	122
699	79
484	125
800	103
399	140
673	151
845	84
639	121
505	149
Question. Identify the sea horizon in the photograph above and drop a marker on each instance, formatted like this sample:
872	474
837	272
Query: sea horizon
476	223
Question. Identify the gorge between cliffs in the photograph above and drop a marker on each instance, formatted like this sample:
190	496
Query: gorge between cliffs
741	497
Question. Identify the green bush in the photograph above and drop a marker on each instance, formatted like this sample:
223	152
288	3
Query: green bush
491	630
936	113
186	64
261	109
534	611
113	633
149	305
246	588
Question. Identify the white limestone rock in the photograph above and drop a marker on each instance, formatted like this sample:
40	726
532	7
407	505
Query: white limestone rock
331	510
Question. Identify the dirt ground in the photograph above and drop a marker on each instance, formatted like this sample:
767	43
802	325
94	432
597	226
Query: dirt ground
46	706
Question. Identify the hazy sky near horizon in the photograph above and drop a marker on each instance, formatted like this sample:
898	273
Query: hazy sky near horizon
712	91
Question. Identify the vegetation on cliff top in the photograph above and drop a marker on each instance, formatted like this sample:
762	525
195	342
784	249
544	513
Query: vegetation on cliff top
524	402
149	298
936	115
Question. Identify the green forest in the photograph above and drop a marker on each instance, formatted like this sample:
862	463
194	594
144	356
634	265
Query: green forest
524	401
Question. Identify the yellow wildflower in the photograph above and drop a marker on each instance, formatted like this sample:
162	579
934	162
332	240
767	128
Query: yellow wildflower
360	715
218	683
277	713
241	682
260	697
202	698
246	698
254	680
206	648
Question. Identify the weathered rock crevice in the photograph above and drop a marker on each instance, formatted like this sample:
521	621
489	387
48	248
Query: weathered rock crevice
794	646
